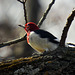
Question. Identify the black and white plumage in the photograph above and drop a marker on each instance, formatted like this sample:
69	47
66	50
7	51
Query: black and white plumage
42	40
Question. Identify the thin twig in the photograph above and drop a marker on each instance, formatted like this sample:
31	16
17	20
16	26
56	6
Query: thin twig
24	7
25	13
66	28
13	41
45	14
20	1
71	44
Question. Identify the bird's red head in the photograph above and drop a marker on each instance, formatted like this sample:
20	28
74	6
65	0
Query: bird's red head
30	26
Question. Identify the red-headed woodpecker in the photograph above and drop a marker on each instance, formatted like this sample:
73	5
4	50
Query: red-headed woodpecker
39	39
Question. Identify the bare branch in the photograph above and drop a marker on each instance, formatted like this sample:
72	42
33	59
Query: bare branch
66	28
13	41
20	1
71	44
45	14
24	7
25	13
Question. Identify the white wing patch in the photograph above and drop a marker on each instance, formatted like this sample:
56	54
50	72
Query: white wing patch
57	40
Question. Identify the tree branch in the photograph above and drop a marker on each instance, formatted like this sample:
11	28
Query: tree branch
71	44
58	62
45	14
66	28
20	1
25	13
24	7
13	41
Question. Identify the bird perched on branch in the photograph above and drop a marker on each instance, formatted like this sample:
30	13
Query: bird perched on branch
39	39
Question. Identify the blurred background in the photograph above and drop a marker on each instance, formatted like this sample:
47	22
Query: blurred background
11	15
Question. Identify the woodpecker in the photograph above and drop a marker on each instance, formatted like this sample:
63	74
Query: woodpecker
39	39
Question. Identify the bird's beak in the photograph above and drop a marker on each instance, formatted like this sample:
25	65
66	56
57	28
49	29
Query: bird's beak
22	26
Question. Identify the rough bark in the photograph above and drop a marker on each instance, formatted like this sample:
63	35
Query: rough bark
58	62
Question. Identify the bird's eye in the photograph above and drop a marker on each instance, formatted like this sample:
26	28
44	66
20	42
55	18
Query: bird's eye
27	27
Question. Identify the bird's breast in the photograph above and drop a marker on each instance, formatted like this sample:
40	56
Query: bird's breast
38	43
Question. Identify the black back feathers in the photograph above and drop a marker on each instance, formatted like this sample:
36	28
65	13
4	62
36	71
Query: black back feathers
45	34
